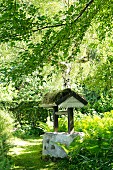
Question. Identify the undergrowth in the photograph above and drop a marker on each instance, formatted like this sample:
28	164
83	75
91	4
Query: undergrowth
95	150
5	136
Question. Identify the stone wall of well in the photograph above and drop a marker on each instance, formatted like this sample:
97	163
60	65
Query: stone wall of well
51	140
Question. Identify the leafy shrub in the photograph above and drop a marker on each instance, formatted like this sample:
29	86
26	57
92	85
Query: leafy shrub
28	115
48	126
95	149
105	103
27	131
5	135
63	124
94	124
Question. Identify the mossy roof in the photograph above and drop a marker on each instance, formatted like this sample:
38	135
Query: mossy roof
57	97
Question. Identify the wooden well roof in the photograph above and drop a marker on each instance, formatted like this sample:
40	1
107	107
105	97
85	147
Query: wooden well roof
65	98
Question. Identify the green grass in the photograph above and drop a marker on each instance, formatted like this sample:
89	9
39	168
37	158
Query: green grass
27	154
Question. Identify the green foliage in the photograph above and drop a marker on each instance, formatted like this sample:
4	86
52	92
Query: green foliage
7	92
102	77
28	115
92	123
35	40
46	127
63	124
104	104
98	102
95	149
61	34
6	127
16	20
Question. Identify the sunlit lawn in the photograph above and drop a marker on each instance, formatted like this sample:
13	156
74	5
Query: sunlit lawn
27	154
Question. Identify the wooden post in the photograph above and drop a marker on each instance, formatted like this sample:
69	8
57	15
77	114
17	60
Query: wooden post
55	118
70	120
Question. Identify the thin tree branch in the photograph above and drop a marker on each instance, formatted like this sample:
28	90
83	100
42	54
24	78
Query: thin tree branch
59	25
49	26
83	10
80	14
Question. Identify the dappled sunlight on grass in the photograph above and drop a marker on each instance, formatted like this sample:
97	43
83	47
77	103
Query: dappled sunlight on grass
27	154
20	142
17	151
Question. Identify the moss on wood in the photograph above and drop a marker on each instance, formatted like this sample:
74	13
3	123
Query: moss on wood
52	97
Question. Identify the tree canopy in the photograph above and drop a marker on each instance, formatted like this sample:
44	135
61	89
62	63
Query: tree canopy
57	37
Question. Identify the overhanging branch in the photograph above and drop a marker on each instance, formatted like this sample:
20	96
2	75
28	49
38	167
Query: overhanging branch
62	24
83	10
80	14
50	26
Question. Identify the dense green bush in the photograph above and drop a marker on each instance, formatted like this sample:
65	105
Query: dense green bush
63	124
6	128
95	150
105	103
27	116
99	102
48	126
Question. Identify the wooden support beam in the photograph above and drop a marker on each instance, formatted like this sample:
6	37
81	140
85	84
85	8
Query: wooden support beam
55	118
70	120
61	113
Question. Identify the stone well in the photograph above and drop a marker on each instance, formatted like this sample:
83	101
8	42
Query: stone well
62	102
50	140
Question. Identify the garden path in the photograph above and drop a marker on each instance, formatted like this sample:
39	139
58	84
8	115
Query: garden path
27	154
